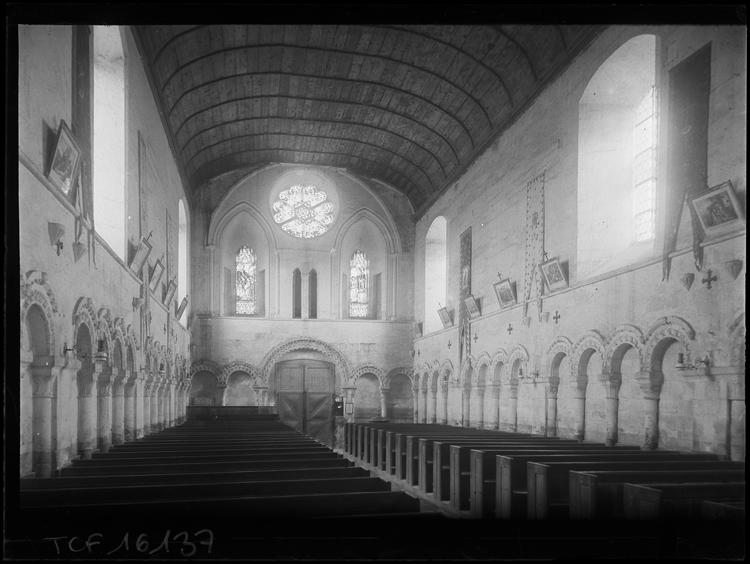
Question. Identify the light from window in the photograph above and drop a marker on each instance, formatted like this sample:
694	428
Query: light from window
644	167
182	266
246	281
359	280
303	211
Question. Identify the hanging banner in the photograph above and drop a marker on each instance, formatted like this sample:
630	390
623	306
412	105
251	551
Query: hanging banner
464	289
532	283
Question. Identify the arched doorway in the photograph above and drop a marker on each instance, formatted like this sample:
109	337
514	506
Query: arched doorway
304	386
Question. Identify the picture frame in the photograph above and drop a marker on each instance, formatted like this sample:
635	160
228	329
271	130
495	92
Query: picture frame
181	309
717	210
472	306
553	275
445	317
141	256
505	292
417	328
171	288
156	275
64	165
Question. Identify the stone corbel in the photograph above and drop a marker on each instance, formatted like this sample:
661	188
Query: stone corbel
43	384
612	383
650	383
105	380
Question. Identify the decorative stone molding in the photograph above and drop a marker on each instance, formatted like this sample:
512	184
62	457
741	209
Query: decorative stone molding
446	369
495	391
85	314
87	379
561	345
118	336
36	291
43	384
499	357
368	369
517	353
588	344
239	366
665	328
622	335
105	381
737	340
299	343
204	365
612	383
394	371
467	369
105	317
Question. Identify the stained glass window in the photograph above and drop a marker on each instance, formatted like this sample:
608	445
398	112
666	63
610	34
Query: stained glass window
359	282
644	167
303	211
245	279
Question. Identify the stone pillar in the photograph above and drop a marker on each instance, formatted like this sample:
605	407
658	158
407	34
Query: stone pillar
650	384
147	385
480	391
161	403
178	397
579	408
87	380
466	407
550	391
130	391
384	401
444	419
415	398
104	427
349	399
172	397
611	384
513	406
261	394
154	408
26	414
222	387
423	413
495	411
118	406
433	406
736	394
44	379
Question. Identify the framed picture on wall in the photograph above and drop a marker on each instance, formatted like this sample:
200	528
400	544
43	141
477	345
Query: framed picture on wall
445	317
718	210
553	275
156	274
417	328
171	287
181	309
504	291
141	255
473	307
65	161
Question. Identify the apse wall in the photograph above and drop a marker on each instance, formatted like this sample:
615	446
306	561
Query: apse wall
520	200
97	288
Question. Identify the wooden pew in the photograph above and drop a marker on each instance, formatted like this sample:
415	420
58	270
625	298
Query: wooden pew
207	452
599	494
104	462
677	501
511	473
723	510
213	490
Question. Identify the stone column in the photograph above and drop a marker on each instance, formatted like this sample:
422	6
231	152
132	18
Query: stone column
513	406
480	391
44	379
423	413
737	417
433	406
650	384
349	399
384	401
415	399
130	391
261	395
222	387
466	407
186	400
161	403
154	408
87	380
104	427
550	391
147	385
172	410
579	407
179	385
118	406
611	384
495	411
26	414
444	419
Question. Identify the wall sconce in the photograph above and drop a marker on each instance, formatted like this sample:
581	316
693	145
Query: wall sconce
137	303
56	231
698	363
78	250
101	353
520	373
161	369
66	350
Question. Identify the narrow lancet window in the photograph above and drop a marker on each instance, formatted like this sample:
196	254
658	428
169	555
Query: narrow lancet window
359	282
245	281
644	168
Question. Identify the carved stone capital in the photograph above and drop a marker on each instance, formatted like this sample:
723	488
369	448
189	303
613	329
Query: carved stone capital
579	392
481	390
87	378
44	385
650	383
612	382
550	391
495	391
513	392
104	382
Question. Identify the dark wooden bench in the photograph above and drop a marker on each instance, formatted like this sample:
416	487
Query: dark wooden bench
128	450
723	510
174	458
511	492
599	494
677	501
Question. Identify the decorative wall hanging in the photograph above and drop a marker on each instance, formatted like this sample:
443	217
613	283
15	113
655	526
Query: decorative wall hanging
717	210
169	294
544	318
532	283
181	309
687	280
445	317
417	328
141	255
505	292
734	267
63	169
156	273
553	274
464	291
472	307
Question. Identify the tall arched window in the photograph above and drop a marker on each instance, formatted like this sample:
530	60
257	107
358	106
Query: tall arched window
245	281
109	137
359	285
313	294
617	133
435	273
182	266
297	294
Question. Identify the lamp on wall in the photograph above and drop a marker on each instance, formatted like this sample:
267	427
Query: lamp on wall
698	363
162	371
101	352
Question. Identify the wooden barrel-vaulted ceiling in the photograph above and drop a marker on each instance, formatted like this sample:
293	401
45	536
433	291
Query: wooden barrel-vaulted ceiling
410	106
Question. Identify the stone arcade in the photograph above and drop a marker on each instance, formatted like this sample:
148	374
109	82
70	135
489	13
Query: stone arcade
502	227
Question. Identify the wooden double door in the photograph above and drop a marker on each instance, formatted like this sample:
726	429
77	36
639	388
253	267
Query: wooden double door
305	390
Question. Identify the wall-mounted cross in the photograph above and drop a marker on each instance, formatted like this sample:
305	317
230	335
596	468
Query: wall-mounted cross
419	353
475	337
449	344
709	279
544	254
556	317
510	328
499	276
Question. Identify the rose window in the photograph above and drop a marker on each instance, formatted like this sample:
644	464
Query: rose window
302	211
